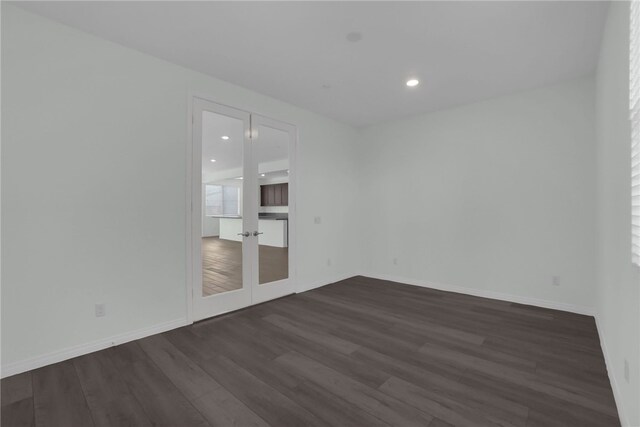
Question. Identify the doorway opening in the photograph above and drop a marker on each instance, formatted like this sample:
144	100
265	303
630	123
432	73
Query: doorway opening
243	214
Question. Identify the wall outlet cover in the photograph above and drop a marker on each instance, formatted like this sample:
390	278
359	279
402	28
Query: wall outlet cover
101	310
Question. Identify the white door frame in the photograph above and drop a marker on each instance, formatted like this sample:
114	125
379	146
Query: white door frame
191	240
212	305
271	290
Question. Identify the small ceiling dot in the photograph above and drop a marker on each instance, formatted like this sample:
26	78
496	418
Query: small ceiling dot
354	36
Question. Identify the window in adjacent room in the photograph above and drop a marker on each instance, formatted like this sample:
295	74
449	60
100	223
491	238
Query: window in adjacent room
222	200
634	97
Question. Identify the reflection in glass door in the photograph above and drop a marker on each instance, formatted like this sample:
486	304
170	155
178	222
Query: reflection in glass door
222	214
243	215
272	153
272	145
220	243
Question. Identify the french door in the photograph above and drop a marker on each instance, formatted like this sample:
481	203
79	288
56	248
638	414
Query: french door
242	209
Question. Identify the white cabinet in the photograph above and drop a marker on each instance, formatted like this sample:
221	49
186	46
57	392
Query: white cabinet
274	232
230	227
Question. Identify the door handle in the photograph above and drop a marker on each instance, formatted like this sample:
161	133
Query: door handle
255	233
245	234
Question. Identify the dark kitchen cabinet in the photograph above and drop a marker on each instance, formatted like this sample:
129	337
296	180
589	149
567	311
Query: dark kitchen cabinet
274	195
271	195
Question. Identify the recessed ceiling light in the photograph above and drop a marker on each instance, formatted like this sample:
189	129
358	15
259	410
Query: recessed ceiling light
225	137
412	82
239	177
213	160
354	36
261	174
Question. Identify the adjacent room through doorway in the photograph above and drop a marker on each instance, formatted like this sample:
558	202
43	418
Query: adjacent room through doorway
243	222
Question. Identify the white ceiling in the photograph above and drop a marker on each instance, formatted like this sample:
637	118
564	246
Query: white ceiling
298	51
270	148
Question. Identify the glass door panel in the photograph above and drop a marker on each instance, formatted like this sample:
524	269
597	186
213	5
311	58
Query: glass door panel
272	143
221	273
222	161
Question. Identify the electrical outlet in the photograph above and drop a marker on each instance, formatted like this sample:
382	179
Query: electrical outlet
317	220
555	280
395	261
626	370
101	310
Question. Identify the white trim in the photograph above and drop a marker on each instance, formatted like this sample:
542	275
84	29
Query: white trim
292	232
189	199
323	282
230	301
617	395
189	207
589	311
268	291
82	349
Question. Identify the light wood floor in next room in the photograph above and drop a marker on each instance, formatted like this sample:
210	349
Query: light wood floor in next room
222	265
360	352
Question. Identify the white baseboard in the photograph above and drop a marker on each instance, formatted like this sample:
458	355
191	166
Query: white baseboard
589	311
79	350
612	378
82	349
529	301
324	282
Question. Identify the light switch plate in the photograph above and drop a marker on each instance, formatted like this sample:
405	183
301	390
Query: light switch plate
626	370
101	310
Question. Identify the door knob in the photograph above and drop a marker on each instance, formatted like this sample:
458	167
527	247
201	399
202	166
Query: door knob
255	233
245	234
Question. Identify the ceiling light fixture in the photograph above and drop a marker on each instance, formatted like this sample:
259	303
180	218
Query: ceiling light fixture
261	174
213	160
412	82
354	36
225	137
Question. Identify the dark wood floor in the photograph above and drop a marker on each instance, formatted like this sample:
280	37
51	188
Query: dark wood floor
222	265
361	352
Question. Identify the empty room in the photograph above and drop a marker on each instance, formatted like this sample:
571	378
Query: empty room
320	213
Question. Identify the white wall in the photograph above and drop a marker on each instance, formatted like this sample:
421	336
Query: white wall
497	196
618	285
94	141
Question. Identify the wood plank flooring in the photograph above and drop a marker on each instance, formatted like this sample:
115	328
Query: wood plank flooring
360	352
222	265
